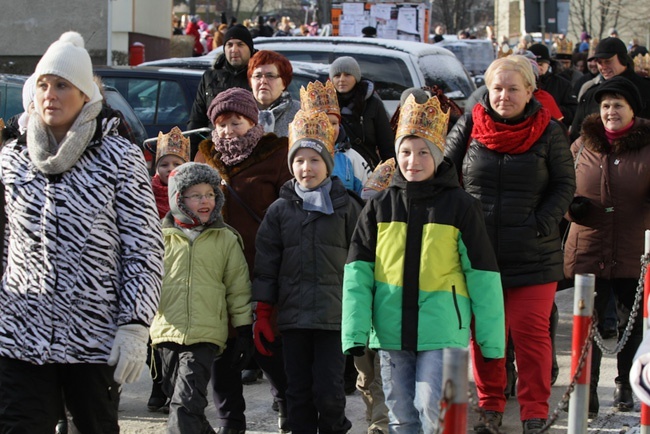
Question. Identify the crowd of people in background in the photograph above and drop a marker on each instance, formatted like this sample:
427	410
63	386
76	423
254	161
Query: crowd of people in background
304	239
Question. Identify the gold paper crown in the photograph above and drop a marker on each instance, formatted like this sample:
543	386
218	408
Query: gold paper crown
642	63
563	46
426	121
173	143
320	97
380	178
312	126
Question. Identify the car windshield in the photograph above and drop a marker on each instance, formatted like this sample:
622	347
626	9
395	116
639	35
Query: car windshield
449	76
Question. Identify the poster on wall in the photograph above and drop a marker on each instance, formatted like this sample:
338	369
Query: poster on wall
406	21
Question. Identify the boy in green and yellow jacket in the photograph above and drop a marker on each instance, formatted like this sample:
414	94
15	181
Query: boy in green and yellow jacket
419	270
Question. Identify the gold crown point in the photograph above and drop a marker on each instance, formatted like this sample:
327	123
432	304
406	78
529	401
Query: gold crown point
320	97
312	125
427	121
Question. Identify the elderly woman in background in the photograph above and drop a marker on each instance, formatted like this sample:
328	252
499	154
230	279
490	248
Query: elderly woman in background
269	75
253	167
515	159
609	215
84	252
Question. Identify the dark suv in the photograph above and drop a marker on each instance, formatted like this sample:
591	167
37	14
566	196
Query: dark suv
161	97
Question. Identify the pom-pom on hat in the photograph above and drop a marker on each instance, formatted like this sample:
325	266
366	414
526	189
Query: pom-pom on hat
235	99
67	58
426	121
173	143
347	65
620	86
240	32
185	176
312	130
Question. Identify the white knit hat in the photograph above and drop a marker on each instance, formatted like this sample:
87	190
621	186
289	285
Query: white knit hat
67	58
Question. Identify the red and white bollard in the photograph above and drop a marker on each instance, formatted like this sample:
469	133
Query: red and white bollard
454	394
645	410
583	308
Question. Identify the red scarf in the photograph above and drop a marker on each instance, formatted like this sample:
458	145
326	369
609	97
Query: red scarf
160	193
505	138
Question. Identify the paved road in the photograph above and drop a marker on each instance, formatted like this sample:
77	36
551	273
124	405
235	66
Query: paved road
134	418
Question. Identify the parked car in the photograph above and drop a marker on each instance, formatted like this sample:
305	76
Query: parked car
11	95
161	97
475	54
393	65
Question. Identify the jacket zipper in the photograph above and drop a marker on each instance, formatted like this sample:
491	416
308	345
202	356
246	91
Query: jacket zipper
460	320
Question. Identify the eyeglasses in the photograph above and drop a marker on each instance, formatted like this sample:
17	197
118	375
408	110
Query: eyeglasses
199	197
268	76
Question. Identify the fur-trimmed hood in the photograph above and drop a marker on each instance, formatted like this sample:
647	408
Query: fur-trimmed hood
593	136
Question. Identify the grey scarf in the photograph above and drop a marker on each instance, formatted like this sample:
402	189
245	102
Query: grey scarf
268	117
317	199
53	158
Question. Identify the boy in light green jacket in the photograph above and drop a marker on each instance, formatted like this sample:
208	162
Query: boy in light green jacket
206	282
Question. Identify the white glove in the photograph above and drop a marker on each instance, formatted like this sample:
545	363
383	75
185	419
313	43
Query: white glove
129	352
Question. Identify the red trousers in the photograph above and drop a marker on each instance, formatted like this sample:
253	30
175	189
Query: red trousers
527	309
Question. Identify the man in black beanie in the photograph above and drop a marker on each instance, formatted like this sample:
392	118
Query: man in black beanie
229	70
613	60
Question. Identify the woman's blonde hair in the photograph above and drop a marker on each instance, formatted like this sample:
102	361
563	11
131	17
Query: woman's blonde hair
516	63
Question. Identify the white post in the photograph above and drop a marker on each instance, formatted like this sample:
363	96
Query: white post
583	308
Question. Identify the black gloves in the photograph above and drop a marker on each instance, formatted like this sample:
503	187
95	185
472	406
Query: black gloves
243	348
579	208
357	351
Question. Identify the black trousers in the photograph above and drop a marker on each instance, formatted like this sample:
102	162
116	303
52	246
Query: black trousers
314	364
185	378
228	391
273	368
624	291
31	397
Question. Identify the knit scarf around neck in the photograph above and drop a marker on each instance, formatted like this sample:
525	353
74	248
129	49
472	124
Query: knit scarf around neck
268	116
506	138
160	193
53	158
316	199
237	149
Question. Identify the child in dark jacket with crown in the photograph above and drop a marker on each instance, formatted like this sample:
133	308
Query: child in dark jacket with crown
302	246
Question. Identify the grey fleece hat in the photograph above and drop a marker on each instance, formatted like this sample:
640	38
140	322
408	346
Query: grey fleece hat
185	176
345	64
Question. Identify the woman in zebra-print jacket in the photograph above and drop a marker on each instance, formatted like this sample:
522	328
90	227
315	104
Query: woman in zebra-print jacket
83	255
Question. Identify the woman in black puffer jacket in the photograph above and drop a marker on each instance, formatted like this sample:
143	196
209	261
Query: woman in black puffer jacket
513	158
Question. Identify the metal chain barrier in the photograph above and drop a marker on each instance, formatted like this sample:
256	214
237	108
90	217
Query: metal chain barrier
633	314
562	405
